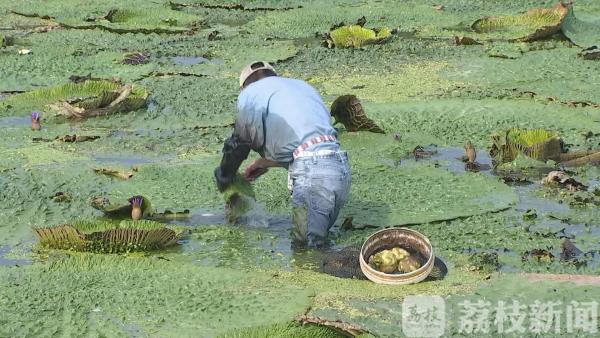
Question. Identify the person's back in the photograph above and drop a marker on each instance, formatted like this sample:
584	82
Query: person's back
292	112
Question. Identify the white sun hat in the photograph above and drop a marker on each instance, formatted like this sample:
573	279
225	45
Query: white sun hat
252	68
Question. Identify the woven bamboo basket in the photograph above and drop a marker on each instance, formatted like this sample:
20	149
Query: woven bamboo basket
410	240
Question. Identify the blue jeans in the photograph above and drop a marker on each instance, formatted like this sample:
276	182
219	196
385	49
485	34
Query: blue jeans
321	186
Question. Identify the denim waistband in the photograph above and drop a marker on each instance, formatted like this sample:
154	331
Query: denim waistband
319	139
322	154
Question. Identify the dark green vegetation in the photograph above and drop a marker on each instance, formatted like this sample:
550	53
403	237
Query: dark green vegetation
245	280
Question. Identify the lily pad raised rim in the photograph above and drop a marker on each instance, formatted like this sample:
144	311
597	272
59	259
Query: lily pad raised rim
540	32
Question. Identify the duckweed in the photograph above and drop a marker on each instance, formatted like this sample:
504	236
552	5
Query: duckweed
418	85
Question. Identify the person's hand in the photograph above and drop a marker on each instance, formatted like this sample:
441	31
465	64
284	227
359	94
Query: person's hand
255	170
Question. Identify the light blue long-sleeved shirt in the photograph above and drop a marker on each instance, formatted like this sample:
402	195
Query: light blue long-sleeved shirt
278	114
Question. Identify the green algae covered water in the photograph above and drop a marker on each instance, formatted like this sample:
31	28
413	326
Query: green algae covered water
246	280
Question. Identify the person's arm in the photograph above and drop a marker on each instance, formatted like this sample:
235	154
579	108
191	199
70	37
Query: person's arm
235	151
260	167
248	134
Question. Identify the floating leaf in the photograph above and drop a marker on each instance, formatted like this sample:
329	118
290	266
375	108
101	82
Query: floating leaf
585	34
135	58
348	110
232	6
125	98
62	236
569	251
349	330
536	24
592	53
538	255
115	173
143	20
357	36
108	237
538	144
505	50
67	138
560	178
60	197
593	159
420	152
82	78
486	261
343	263
465	41
84	98
77	138
121	211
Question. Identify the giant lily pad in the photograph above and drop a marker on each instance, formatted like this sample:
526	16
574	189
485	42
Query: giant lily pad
122	174
536	24
104	236
348	110
89	98
59	54
144	21
121	100
236	6
415	192
539	144
356	36
296	330
584	33
129	19
121	211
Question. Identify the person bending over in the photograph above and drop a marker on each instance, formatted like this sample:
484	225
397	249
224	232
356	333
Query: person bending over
287	123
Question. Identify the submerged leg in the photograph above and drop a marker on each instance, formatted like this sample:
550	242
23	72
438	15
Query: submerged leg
299	225
316	208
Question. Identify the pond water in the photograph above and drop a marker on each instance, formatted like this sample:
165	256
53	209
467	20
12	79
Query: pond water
4	250
263	239
189	60
14	121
